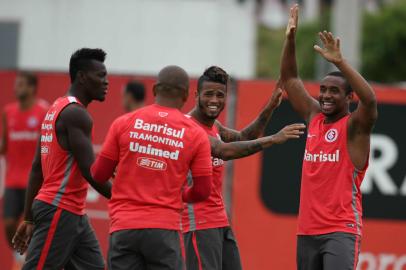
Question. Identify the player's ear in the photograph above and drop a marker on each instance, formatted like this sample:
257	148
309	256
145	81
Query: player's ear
154	90
350	96
80	76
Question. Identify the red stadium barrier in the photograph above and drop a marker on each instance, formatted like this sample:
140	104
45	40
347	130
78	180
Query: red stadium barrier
266	238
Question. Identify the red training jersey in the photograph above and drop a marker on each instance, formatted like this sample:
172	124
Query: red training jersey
64	185
155	147
330	195
210	213
23	128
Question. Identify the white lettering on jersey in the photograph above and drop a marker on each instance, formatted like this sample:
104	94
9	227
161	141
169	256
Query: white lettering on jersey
322	157
136	147
164	129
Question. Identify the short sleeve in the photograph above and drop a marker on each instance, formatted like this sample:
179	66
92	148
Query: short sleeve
201	164
111	146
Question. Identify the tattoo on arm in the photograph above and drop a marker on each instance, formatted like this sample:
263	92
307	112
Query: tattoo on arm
234	150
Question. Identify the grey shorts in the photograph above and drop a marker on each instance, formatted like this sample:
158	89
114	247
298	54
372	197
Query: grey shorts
212	249
13	203
146	249
333	251
62	240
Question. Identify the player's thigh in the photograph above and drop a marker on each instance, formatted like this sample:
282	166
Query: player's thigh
87	254
13	203
53	239
162	249
231	255
308	256
341	251
124	251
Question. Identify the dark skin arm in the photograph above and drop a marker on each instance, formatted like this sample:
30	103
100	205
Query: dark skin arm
363	118
240	149
74	128
257	127
302	102
24	231
3	143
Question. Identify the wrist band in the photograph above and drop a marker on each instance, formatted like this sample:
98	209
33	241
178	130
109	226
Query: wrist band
29	222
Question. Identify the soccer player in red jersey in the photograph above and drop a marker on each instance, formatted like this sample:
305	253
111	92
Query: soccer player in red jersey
335	159
152	150
209	240
133	96
54	214
21	129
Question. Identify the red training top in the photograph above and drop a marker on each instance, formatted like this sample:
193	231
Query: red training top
64	185
23	129
210	213
155	147
330	196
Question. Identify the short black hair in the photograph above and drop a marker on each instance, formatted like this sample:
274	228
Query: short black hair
81	59
136	89
213	74
347	87
30	77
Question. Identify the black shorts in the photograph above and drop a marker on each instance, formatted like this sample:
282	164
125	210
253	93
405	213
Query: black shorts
62	240
146	249
212	249
13	203
333	251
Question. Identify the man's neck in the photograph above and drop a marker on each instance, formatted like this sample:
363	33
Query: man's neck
79	94
201	118
27	103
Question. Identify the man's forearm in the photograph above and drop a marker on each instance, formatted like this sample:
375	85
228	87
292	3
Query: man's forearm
288	65
236	150
360	86
34	185
257	127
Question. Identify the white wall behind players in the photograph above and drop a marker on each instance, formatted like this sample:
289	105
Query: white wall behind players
140	36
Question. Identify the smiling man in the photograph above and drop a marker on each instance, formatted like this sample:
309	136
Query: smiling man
336	156
209	240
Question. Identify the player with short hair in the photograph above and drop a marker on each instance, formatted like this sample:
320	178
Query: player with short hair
153	148
54	213
133	96
209	239
21	128
336	156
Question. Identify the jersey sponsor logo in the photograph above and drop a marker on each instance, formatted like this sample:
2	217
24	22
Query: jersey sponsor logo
163	114
217	162
311	135
164	129
151	163
46	138
44	150
50	116
331	135
23	135
32	122
322	157
136	147
155	139
45	126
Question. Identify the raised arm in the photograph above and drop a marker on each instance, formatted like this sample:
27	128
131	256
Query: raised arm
240	149
257	127
302	102
364	117
78	126
24	231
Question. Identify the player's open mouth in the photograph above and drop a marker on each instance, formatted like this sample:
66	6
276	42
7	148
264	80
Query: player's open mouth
327	105
213	108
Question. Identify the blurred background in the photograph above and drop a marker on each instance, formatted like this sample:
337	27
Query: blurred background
244	37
